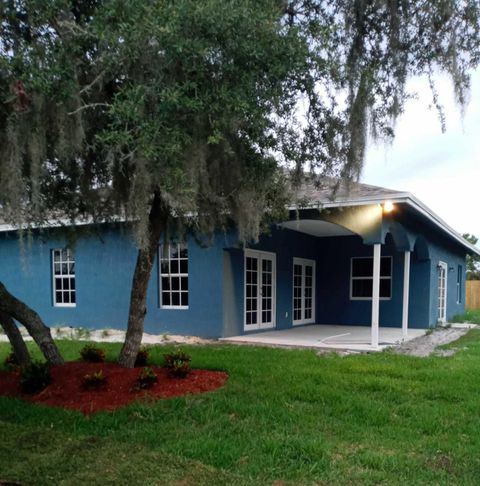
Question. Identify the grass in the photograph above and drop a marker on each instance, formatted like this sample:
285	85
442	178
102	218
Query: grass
284	415
470	315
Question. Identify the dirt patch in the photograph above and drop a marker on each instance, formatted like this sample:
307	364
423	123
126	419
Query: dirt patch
112	336
442	462
426	345
66	389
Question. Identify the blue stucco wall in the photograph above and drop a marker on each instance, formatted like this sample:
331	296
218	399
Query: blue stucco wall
333	297
286	244
453	260
333	305
424	280
104	270
333	258
419	295
105	262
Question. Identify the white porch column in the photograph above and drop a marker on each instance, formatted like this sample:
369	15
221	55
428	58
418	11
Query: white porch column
406	291
376	293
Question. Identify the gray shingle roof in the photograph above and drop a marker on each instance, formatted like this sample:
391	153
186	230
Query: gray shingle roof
329	190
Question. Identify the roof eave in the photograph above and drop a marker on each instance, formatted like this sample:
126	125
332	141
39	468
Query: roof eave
396	198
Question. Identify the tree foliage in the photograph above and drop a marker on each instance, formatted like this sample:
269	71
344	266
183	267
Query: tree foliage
199	100
196	111
473	261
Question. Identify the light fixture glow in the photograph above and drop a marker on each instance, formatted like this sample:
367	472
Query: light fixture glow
388	207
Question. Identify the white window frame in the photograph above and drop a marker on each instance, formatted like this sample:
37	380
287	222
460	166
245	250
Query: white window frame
459	283
55	277
444	267
179	275
352	278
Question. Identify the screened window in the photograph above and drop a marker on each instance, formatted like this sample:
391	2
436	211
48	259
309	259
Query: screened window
63	276
361	282
174	276
459	284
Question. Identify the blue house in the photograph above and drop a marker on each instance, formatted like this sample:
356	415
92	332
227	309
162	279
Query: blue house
370	256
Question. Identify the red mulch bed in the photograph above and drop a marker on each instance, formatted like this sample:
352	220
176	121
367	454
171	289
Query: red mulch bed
66	388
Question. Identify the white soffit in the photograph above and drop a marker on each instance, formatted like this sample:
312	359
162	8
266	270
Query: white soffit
316	227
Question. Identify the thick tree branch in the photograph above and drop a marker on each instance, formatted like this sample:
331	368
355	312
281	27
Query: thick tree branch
40	333
16	340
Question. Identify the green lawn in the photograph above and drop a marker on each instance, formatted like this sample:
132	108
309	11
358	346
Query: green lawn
284	415
470	315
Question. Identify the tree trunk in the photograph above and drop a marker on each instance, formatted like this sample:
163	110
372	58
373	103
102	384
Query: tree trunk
31	320
16	340
141	276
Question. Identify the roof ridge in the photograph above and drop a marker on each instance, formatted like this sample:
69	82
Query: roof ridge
393	191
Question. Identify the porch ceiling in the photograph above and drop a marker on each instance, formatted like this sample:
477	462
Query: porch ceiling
316	227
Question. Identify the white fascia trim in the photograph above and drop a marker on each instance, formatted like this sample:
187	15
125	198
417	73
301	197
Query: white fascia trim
59	223
396	198
359	201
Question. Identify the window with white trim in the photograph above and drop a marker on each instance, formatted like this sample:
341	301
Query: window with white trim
63	278
173	276
459	284
361	278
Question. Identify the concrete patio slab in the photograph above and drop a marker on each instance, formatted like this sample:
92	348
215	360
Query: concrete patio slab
350	338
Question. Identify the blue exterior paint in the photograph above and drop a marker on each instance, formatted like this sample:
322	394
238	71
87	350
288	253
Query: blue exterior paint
431	247
452	259
419	296
104	269
286	244
105	262
333	259
333	300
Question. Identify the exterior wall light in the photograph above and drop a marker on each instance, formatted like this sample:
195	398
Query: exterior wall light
388	207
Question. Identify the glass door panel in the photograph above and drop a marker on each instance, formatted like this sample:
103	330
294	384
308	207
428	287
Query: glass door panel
260	290
303	291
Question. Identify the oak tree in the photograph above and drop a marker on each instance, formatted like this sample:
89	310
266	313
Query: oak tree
205	113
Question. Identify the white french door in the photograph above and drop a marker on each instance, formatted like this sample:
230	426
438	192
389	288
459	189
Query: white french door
260	290
442	291
303	291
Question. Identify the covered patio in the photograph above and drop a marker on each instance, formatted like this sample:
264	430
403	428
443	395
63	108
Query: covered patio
367	270
334	337
375	227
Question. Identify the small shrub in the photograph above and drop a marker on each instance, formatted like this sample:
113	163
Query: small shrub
146	379
142	357
95	381
11	361
82	333
92	354
35	377
178	364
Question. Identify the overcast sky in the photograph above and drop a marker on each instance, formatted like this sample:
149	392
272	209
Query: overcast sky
441	169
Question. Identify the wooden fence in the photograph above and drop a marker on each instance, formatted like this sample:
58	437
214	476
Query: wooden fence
472	294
